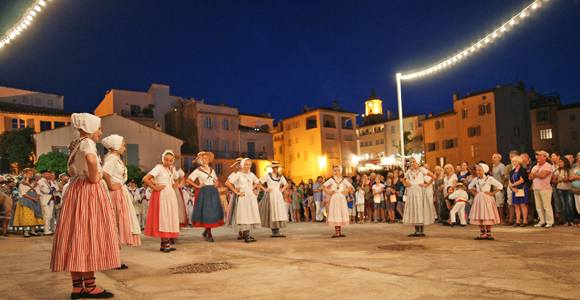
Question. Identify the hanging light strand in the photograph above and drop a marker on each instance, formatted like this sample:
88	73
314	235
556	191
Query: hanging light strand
26	20
477	45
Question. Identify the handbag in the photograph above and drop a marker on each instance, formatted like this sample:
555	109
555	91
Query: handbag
393	198
575	191
520	193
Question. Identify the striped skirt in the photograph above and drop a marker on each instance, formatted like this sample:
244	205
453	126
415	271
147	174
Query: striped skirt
123	218
86	236
163	215
208	211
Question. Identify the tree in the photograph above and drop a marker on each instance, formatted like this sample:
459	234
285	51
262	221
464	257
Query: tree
408	136
135	173
18	146
54	161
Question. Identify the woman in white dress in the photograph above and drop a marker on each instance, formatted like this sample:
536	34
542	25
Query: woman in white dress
419	209
115	175
484	210
245	213
234	197
163	216
273	211
337	210
207	211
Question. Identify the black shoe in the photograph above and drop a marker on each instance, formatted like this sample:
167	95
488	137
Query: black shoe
102	295
415	234
122	267
462	225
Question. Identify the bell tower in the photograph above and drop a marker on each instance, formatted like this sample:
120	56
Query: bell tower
373	110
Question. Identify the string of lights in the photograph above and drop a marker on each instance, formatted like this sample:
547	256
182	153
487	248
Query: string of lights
490	38
26	20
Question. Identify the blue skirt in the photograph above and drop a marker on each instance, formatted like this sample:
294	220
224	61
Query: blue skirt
207	211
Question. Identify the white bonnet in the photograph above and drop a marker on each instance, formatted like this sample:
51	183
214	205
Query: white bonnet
86	122
113	142
485	168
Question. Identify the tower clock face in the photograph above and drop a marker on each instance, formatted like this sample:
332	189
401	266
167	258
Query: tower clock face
370	105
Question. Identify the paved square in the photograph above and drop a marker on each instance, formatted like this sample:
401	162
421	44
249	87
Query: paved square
523	263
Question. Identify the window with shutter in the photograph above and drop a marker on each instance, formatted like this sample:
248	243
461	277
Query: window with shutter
442	123
488	108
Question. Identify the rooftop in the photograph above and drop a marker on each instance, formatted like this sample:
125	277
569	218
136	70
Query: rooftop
443	114
484	91
32	110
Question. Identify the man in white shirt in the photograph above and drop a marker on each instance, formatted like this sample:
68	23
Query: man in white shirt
498	173
188	198
47	196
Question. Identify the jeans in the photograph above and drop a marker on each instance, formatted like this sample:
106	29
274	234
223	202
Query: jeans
289	210
558	201
567	203
319	216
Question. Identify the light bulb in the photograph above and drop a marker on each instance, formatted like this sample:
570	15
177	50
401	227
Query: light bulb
37	8
41	2
33	13
29	18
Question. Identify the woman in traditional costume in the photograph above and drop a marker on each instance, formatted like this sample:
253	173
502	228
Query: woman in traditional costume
207	210
86	237
246	215
419	209
28	212
484	210
337	188
163	216
115	175
272	211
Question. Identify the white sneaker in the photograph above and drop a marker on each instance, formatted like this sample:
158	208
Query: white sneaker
548	225
540	224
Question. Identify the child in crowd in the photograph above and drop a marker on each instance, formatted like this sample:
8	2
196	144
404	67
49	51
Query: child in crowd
460	196
360	203
447	207
390	199
350	204
378	197
296	204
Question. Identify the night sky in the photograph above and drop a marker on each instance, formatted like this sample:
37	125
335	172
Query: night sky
279	56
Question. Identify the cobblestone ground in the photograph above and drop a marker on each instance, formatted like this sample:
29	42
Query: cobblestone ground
374	261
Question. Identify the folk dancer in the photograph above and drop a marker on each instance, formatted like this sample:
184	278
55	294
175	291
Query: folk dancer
273	212
115	175
86	236
28	212
245	213
419	209
337	188
207	211
484	210
234	196
163	215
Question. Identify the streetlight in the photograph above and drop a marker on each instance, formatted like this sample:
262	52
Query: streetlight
322	164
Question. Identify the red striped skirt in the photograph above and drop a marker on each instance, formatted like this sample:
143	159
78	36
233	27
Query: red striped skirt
123	219
86	236
162	215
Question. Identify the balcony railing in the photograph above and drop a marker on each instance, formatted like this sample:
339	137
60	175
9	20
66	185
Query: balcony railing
256	155
131	114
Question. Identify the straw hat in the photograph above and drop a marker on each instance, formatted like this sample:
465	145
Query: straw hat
202	153
274	164
238	161
30	169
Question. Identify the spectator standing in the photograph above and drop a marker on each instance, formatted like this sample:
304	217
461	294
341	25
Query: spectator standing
558	203
450	178
360	203
518	185
440	194
562	179
316	188
542	175
528	165
378	198
498	172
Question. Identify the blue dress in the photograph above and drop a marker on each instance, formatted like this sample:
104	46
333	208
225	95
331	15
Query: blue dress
519	200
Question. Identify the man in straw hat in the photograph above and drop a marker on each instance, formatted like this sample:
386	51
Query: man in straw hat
273	212
541	174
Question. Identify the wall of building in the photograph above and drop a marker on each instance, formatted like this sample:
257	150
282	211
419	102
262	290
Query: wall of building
551	125
432	134
24	97
569	125
149	142
30	121
512	111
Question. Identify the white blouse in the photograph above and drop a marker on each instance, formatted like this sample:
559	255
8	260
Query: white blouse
23	189
273	183
115	168
234	183
164	176
417	177
449	182
203	176
459	195
87	146
244	181
484	185
337	185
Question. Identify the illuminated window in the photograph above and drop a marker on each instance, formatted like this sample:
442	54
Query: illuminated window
546	134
